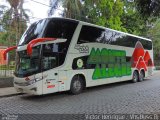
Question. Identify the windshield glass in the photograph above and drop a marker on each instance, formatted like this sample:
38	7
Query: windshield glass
33	32
28	65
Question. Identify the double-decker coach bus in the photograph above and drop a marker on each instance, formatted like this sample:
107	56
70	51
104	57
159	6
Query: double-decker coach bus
57	54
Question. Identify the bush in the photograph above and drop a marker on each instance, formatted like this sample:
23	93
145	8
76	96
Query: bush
7	67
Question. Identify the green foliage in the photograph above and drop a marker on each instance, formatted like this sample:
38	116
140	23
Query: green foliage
3	38
148	8
154	33
8	36
13	22
105	13
130	16
7	67
132	20
72	8
123	15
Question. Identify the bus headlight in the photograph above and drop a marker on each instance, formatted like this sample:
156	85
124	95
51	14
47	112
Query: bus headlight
31	82
34	80
38	79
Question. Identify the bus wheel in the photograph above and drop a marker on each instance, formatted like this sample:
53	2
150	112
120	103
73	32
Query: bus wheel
135	77
141	76
76	85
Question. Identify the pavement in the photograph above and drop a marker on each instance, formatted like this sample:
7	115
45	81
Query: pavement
8	91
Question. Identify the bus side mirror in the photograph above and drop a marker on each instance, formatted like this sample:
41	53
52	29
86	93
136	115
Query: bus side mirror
33	42
7	50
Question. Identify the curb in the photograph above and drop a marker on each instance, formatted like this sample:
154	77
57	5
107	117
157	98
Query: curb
10	95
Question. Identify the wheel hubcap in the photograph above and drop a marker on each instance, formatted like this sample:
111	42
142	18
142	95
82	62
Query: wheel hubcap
141	76
77	85
135	77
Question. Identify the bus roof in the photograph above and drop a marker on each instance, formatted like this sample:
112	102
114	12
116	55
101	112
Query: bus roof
90	24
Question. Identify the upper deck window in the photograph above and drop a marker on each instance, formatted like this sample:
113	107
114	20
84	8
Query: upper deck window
32	32
91	34
50	27
60	28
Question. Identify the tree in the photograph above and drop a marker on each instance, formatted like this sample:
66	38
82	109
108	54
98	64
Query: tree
124	15
13	21
148	8
105	13
154	34
132	19
3	38
72	8
54	5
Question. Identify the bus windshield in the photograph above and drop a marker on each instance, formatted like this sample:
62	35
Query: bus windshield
27	65
44	57
50	27
33	32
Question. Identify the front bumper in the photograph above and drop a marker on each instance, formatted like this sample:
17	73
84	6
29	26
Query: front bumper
33	89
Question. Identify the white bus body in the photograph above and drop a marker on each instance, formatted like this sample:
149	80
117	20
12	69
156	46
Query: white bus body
90	55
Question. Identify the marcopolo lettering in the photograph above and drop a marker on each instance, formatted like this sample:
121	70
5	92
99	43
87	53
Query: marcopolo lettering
82	48
109	63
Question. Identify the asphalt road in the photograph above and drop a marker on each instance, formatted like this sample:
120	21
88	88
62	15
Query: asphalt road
119	98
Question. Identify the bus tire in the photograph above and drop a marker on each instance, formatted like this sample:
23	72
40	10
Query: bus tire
77	85
135	76
141	76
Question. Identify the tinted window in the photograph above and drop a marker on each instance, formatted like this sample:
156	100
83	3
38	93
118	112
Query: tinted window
93	34
60	28
90	34
28	65
129	41
126	41
32	32
146	44
84	65
53	55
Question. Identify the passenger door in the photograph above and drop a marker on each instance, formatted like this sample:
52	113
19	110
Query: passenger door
49	62
50	82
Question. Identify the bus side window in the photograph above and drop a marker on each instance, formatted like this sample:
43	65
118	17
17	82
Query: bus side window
53	55
90	34
49	59
55	48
